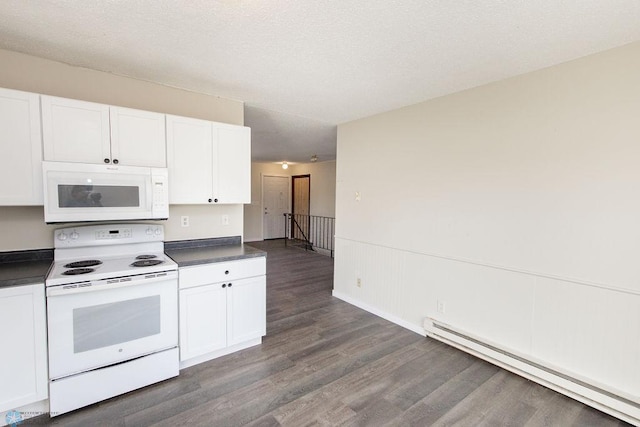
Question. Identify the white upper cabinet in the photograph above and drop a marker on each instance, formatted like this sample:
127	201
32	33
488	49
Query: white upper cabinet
189	154
208	162
87	132
75	131
138	137
233	163
20	148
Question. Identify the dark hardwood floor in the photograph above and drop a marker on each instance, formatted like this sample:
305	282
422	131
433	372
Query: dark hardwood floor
327	363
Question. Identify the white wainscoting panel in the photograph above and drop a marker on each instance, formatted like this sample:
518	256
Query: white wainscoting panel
590	331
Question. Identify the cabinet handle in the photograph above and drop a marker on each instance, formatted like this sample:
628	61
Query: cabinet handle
107	160
230	284
115	161
226	272
224	285
209	200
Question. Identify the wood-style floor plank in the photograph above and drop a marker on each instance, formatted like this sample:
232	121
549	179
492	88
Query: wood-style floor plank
327	363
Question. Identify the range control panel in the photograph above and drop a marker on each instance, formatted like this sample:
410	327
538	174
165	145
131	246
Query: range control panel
107	234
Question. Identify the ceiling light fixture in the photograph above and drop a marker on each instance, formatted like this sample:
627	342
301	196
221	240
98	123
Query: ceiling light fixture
314	158
285	165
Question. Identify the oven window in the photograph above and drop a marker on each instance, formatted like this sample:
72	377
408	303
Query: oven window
104	325
98	196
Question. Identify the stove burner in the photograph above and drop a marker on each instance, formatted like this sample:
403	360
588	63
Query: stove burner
146	263
75	271
85	263
146	256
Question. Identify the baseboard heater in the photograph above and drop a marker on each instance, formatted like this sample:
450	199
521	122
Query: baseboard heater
601	397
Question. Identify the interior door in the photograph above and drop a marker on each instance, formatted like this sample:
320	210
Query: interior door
300	207
275	198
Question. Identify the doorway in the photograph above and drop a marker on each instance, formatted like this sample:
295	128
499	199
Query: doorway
275	201
300	206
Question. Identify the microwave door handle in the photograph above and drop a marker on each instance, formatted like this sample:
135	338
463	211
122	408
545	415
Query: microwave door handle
110	284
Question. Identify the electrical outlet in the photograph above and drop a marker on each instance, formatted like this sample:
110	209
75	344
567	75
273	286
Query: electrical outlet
442	307
358	282
358	196
184	221
225	219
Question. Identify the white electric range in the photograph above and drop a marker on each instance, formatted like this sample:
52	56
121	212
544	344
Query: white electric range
112	313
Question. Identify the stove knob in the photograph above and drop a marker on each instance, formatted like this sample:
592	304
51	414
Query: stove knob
74	235
62	236
158	232
149	231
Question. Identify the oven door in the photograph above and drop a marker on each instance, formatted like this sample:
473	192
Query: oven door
83	192
101	323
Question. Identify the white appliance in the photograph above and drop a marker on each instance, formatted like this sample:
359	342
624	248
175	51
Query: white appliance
112	313
75	192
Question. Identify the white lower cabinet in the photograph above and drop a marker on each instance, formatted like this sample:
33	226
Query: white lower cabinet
23	361
218	317
203	320
246	310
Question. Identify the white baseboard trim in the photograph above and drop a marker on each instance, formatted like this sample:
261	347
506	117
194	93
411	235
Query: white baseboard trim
418	329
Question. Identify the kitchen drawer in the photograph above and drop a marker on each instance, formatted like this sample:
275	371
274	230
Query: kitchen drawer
221	272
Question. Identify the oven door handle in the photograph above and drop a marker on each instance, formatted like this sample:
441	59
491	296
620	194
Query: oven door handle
109	284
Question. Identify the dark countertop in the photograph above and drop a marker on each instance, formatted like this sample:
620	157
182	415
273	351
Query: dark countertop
207	251
24	267
31	266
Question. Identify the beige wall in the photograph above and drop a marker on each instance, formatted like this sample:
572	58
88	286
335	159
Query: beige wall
323	186
543	166
516	205
323	192
32	74
24	228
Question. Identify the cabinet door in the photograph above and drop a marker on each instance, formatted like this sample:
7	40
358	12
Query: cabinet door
23	364
75	131
189	145
247	317
20	148
137	138
232	163
203	320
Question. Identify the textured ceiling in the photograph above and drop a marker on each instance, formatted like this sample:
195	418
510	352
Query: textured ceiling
301	67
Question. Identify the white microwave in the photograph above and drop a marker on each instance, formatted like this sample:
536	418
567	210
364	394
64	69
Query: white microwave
76	192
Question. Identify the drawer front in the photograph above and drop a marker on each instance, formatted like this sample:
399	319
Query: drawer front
221	272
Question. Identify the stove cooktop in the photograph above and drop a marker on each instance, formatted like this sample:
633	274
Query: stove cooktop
107	251
65	271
